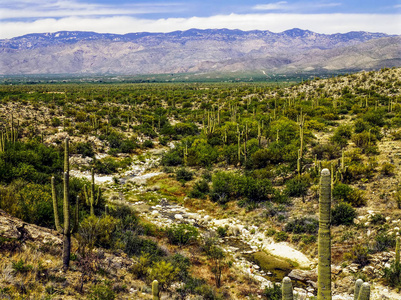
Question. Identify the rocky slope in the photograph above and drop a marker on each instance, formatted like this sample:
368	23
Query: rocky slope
196	51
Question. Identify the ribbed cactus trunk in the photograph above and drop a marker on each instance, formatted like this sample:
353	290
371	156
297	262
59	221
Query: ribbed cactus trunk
324	241
155	290
286	288
66	209
358	285
65	230
364	293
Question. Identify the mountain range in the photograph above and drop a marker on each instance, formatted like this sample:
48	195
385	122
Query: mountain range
197	51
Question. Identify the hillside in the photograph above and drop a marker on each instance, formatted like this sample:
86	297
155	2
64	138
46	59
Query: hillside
212	189
195	51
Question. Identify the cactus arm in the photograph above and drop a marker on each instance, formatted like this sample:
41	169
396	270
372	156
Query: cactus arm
155	290
86	195
324	242
55	210
364	293
397	254
358	285
76	216
66	205
286	288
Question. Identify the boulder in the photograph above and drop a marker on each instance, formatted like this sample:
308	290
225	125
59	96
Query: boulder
13	228
303	275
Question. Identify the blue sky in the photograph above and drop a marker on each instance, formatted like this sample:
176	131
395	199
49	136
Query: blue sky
18	17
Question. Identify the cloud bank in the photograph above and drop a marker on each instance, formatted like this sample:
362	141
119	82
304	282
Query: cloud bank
276	22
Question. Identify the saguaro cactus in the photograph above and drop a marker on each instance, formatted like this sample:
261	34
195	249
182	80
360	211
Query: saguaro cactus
364	293
155	290
286	288
91	198
66	230
358	285
397	254
324	241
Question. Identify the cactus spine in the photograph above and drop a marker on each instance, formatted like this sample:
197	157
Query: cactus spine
324	242
66	230
155	290
91	199
286	288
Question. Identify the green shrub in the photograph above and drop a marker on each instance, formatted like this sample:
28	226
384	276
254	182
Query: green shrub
272	292
343	214
222	231
377	219
297	187
85	149
200	189
94	231
164	272
387	169
280	236
182	234
348	194
302	225
183	175
171	158
132	244
308	239
148	144
101	291
384	241
392	275
21	267
359	254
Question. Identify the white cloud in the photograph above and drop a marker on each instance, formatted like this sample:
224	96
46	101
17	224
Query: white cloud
20	9
271	6
321	23
296	6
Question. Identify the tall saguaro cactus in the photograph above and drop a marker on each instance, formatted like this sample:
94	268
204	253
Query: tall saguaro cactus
364	293
286	288
397	254
324	241
65	230
155	290
91	198
358	285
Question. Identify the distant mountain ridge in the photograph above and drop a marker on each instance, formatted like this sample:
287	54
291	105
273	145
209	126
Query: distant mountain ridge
194	50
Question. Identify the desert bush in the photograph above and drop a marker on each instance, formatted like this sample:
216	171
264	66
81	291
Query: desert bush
94	231
297	186
164	272
387	169
171	158
343	214
183	175
101	291
280	236
377	219
302	225
326	151
200	189
341	136
272	292
182	234
383	242
359	254
348	194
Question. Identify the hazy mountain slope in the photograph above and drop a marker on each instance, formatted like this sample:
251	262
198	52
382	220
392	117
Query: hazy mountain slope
187	51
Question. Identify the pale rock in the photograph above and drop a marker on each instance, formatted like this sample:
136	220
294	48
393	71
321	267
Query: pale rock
178	217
